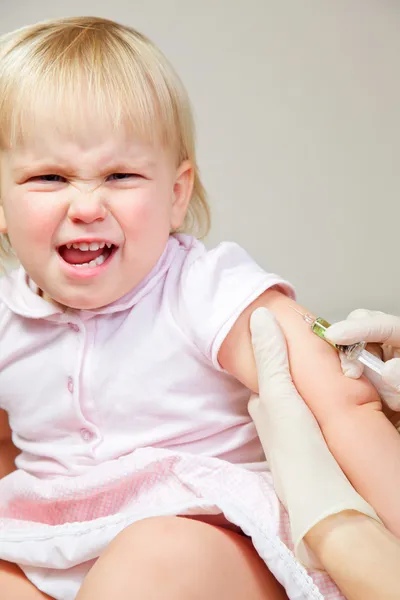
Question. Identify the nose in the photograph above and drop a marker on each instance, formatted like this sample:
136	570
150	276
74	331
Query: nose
86	208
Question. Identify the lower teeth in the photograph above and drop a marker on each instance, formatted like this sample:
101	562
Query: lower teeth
93	263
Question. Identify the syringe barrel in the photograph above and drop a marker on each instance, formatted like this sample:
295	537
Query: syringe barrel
352	351
319	327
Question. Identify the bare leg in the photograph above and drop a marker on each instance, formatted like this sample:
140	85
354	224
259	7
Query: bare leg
179	559
15	586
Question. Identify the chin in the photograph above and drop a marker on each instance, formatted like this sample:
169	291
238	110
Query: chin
82	302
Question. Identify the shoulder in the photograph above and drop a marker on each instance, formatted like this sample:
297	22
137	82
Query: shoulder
214	287
197	261
225	269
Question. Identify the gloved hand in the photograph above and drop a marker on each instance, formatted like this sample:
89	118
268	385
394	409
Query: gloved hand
379	328
307	479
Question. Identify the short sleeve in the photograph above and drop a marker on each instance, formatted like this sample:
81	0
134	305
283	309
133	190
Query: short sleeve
216	288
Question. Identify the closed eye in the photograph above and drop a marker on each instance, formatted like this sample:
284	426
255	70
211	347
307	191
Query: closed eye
122	176
50	178
53	178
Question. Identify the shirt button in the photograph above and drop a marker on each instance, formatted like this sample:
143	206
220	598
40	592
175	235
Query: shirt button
70	385
74	327
86	435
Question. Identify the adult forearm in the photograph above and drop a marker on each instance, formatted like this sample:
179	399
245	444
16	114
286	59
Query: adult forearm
361	556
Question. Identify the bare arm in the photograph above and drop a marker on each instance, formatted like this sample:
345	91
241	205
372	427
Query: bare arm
349	412
314	365
8	451
360	555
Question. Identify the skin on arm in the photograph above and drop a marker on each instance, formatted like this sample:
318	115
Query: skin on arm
360	555
8	452
349	412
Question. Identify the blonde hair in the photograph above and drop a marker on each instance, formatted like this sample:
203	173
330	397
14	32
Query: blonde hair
47	68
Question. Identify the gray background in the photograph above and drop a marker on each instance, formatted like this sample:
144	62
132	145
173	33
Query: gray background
298	113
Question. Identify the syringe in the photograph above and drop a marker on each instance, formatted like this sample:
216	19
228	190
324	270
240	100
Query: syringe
352	351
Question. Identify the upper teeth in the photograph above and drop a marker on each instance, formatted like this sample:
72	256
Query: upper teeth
92	246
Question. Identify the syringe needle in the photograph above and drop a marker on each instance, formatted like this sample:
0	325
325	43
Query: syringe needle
298	311
306	317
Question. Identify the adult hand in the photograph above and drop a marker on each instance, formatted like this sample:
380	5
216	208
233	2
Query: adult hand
307	478
383	331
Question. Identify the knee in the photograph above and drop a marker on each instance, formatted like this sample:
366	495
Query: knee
172	557
162	542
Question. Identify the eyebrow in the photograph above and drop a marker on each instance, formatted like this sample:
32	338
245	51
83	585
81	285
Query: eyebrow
21	167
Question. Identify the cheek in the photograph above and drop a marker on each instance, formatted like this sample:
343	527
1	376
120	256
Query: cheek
149	213
141	213
33	219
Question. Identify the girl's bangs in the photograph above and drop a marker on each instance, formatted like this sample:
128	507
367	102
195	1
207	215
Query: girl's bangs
73	98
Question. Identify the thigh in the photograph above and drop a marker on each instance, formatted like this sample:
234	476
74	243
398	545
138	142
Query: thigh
15	586
180	559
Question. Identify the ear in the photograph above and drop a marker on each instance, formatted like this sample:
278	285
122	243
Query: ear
182	193
3	224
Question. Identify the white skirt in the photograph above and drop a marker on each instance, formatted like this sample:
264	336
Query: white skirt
56	529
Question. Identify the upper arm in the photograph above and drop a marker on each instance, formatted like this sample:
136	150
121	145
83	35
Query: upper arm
5	431
314	364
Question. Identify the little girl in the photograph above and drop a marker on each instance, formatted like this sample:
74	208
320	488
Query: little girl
125	357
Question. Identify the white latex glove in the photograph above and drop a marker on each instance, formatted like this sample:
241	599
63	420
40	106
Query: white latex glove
373	327
307	479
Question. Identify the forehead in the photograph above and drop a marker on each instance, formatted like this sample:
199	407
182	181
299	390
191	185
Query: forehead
98	143
92	147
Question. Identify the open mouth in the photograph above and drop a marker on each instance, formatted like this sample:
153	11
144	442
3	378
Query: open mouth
87	254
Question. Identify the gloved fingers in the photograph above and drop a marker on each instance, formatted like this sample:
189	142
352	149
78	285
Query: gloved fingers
391	374
364	313
253	407
389	389
368	326
351	368
338	332
391	399
253	399
269	346
387	383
